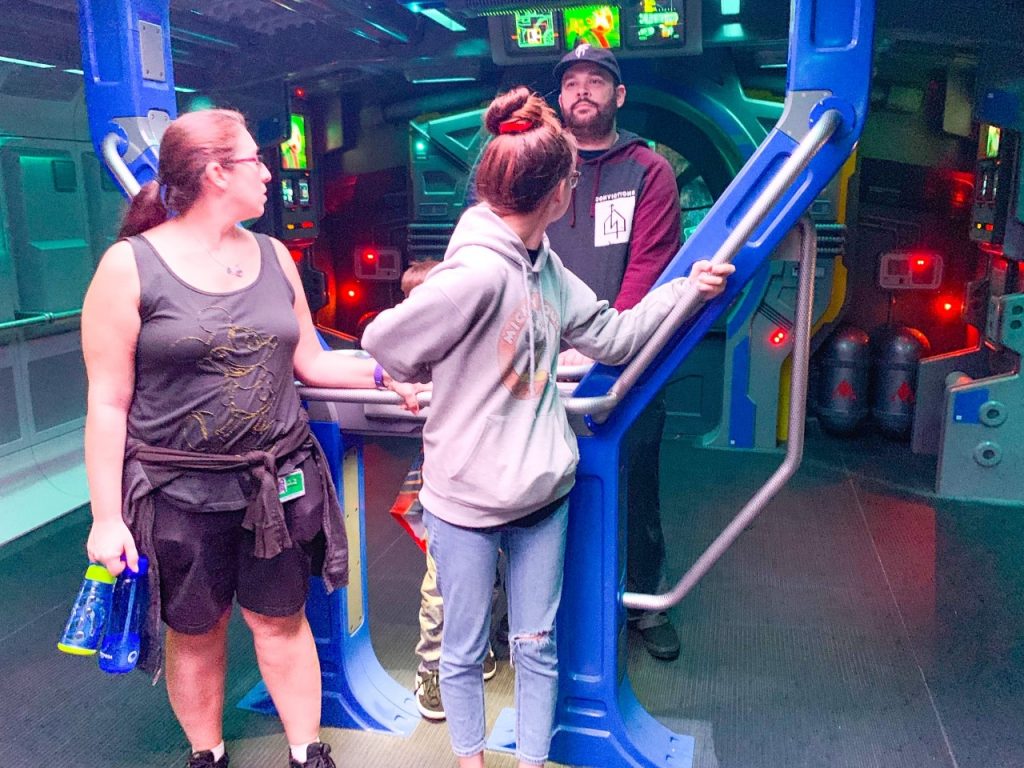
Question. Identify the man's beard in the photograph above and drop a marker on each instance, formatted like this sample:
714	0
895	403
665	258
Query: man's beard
597	125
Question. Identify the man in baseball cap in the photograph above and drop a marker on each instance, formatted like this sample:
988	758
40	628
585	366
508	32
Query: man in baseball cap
621	229
602	57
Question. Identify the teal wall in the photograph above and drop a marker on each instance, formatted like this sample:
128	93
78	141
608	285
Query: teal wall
58	213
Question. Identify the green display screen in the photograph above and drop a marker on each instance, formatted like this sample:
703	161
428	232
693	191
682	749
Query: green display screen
656	22
535	30
595	24
294	150
992	137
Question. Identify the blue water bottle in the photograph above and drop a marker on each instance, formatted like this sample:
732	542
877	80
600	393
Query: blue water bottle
120	650
89	614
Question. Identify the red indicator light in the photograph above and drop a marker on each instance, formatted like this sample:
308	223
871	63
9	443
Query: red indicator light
778	338
369	256
947	307
307	225
350	293
299	92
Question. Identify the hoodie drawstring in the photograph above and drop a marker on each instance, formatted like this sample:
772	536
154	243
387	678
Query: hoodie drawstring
597	186
529	315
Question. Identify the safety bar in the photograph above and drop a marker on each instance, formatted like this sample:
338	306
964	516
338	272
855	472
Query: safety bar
794	447
38	318
795	164
363	396
117	166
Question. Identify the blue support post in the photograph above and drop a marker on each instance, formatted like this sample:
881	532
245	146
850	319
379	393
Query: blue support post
129	83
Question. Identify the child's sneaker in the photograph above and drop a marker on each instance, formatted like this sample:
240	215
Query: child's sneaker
490	664
428	695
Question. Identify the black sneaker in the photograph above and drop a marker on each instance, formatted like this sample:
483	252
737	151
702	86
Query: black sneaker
660	638
205	759
428	695
490	664
318	755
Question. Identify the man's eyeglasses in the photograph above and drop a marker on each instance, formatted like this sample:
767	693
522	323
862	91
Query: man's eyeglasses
257	159
574	179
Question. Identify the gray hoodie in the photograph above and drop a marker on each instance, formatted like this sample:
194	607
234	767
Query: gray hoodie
486	327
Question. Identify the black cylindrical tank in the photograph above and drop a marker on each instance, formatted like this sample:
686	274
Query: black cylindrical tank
843	374
897	354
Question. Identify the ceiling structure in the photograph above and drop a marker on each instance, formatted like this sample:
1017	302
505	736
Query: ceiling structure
221	45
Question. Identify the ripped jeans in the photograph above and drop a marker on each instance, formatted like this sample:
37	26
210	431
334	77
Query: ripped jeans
466	560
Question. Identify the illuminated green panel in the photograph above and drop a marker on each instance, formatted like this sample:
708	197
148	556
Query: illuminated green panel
535	29
595	24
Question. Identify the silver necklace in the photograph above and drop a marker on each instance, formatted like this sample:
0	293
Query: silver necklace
234	271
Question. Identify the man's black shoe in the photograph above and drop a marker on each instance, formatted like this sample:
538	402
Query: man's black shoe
660	638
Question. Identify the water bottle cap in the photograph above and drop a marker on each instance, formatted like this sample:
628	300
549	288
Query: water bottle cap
96	572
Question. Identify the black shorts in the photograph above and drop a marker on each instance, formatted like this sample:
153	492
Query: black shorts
206	560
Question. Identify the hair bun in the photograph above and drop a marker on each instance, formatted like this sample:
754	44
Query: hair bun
509	108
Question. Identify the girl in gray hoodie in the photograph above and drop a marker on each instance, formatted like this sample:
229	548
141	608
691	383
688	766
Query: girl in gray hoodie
500	456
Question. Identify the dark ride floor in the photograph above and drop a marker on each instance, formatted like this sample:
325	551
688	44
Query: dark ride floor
860	622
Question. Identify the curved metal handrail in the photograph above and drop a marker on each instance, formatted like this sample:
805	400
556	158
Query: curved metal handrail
794	446
816	138
360	396
118	167
39	318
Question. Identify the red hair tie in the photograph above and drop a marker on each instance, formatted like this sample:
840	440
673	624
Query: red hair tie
515	125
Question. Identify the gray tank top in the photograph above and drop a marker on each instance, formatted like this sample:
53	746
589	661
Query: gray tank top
213	371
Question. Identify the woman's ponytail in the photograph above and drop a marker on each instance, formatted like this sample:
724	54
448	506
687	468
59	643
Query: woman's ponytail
146	210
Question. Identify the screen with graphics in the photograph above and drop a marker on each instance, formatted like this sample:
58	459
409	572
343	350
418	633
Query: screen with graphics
655	22
642	29
594	24
535	30
991	139
294	150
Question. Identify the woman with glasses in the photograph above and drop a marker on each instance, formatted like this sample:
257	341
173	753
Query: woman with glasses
500	456
194	331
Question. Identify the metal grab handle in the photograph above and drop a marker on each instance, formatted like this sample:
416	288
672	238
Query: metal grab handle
117	166
38	318
795	164
363	396
794	447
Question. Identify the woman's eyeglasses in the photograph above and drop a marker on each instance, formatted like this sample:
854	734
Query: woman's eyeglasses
574	179
257	159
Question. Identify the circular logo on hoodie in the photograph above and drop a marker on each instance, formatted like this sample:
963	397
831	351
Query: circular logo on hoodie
514	343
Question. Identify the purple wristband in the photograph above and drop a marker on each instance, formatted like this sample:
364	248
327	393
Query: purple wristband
378	376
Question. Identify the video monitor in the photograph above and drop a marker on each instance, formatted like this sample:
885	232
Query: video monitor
295	149
595	24
535	30
287	192
653	23
303	185
990	141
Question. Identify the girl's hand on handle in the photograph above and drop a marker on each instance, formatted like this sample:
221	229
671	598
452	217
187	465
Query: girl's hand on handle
407	392
108	540
709	279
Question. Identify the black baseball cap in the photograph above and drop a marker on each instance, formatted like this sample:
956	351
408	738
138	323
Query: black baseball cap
602	57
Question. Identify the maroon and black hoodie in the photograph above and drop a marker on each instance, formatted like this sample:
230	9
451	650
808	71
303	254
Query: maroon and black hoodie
622	226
